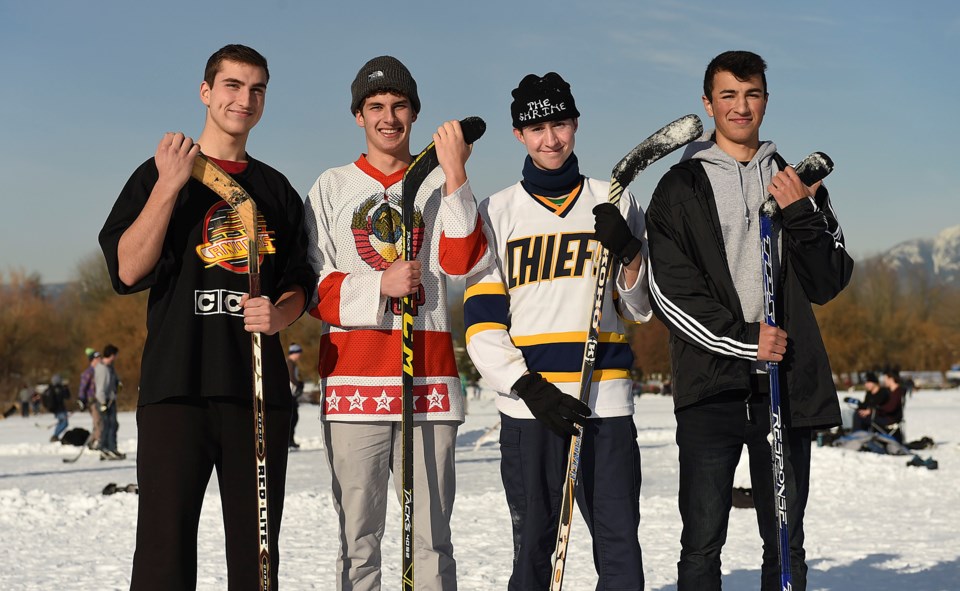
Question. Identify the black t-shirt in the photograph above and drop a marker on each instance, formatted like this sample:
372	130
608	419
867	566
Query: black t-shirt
196	345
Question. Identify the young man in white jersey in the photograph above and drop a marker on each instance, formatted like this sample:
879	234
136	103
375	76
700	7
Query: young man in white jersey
527	318
353	222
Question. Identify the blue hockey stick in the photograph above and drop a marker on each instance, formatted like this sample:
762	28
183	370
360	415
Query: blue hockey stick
813	168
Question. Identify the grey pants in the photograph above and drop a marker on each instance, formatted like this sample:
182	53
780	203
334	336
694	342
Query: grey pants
361	457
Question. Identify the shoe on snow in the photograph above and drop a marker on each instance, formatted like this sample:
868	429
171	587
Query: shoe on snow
742	498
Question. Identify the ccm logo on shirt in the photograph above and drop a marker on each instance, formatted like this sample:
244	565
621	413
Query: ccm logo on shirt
217	301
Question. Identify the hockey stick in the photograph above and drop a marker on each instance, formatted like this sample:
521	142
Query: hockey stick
814	167
672	136
416	173
214	178
83	448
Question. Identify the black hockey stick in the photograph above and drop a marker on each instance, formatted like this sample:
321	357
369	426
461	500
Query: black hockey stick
83	448
416	173
813	168
672	136
214	178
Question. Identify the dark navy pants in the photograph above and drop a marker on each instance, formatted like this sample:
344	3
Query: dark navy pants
533	467
711	435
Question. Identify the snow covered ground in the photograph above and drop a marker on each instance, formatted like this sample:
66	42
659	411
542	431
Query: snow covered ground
872	523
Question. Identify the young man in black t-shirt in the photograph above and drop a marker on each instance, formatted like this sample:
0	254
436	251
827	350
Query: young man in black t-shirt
172	235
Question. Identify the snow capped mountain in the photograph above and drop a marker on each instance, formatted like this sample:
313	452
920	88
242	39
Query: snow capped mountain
937	257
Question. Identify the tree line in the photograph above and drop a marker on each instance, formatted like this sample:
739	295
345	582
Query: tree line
881	320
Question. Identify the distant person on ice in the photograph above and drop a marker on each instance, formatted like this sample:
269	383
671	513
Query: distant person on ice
172	235
526	320
55	399
706	286
107	386
87	396
296	390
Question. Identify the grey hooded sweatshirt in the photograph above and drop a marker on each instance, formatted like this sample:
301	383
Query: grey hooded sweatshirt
739	190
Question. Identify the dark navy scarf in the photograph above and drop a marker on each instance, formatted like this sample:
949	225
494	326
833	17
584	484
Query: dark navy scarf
551	183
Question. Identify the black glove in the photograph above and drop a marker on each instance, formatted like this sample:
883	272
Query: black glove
614	234
558	411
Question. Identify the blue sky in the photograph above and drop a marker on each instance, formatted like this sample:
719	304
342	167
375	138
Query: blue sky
88	89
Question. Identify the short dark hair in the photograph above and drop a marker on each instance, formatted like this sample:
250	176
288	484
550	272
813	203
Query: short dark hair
110	351
234	53
742	64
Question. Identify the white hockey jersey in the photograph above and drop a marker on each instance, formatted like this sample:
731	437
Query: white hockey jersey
353	223
531	309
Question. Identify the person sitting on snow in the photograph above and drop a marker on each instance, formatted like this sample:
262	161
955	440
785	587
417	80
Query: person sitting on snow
875	408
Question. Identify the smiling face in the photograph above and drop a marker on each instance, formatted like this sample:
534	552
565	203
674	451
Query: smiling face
550	143
235	99
386	119
737	107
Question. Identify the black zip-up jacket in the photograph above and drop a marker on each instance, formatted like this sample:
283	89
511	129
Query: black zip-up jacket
693	293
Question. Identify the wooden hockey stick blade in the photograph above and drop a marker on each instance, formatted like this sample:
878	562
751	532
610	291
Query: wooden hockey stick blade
217	180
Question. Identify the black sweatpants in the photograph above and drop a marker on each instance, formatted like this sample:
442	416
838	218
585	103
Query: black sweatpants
178	446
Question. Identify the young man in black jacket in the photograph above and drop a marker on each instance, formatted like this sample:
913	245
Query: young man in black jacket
706	285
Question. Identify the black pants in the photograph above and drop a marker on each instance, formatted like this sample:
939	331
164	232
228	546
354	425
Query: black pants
711	435
533	468
178	446
294	418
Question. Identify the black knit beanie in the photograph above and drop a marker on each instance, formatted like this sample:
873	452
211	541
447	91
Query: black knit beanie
382	74
539	99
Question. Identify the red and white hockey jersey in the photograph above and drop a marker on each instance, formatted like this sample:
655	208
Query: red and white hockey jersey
353	225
